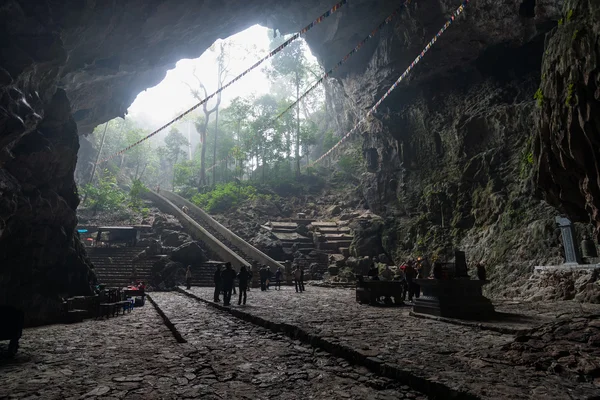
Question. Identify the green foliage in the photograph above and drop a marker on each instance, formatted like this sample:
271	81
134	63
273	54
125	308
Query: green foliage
351	162
135	194
570	15
527	159
105	195
570	91
329	140
560	22
224	196
539	96
575	34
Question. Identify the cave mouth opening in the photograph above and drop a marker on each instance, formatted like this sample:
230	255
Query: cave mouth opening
527	9
188	83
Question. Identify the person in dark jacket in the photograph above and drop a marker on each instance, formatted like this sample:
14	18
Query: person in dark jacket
278	275
243	279
228	278
217	284
263	278
302	278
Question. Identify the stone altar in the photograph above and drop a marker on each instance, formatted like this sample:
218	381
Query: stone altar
460	297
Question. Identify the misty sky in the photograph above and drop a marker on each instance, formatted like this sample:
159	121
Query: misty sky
161	103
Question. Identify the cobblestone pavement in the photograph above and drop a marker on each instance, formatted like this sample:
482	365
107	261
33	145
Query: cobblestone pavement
463	358
136	357
252	362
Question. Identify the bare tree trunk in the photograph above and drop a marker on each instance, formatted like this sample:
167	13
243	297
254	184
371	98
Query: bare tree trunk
297	123
99	153
214	171
203	153
143	170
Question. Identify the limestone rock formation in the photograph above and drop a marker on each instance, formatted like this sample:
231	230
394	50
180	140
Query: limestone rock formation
567	150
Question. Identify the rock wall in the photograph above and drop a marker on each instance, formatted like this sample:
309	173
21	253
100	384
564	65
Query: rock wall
566	149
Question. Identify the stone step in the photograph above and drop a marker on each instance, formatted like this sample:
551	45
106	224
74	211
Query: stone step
337	236
334	244
328	229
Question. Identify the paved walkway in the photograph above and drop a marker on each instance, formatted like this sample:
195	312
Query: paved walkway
463	358
247	361
136	357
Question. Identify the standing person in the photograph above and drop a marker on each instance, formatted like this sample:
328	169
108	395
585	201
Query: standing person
278	274
297	276
218	282
188	277
243	279
410	274
268	281
227	277
263	278
302	278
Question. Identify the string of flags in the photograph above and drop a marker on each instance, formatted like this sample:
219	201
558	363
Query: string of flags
345	58
317	21
455	15
336	66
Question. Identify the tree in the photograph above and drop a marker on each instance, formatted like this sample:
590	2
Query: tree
198	93
292	68
173	149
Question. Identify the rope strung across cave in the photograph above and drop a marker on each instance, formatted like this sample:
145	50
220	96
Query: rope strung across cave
455	15
237	78
333	69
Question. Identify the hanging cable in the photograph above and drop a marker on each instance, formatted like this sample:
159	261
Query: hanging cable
455	15
335	67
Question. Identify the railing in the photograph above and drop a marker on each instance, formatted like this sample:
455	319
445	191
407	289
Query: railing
237	241
197	231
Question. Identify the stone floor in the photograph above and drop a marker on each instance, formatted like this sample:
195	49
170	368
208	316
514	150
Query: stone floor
136	357
463	358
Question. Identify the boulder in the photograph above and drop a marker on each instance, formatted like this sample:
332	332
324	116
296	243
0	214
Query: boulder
337	260
268	244
169	275
334	210
189	253
352	263
348	216
367	238
173	238
333	270
164	221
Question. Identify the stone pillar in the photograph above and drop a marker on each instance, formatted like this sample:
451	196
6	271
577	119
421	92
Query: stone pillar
568	237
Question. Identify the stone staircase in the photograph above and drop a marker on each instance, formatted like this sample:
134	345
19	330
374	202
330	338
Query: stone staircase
114	268
333	238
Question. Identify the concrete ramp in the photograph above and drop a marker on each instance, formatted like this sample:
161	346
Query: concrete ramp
244	249
196	230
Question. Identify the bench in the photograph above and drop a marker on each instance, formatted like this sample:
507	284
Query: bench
11	327
368	291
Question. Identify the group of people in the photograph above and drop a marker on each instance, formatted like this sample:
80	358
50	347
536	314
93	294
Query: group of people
411	270
224	280
225	283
